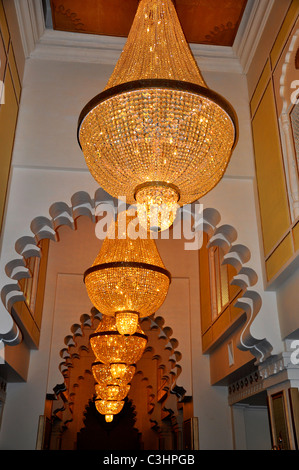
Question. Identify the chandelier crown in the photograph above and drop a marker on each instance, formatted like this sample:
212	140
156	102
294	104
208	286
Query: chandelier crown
156	48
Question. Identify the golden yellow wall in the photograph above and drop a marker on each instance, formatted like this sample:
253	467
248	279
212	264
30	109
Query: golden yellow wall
221	332
280	237
9	106
213	330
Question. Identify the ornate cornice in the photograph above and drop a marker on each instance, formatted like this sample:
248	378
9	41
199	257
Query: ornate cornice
245	387
46	44
275	372
278	370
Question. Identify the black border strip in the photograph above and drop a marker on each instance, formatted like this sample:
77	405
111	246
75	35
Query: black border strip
125	264
159	83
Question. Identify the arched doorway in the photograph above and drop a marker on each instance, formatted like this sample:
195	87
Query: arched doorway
118	435
155	403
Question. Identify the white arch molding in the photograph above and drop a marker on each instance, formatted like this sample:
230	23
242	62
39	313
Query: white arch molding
82	204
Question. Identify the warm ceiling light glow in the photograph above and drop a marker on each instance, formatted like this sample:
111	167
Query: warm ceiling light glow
108	418
128	278
109	346
122	371
126	322
111	392
157	206
109	407
157	134
116	374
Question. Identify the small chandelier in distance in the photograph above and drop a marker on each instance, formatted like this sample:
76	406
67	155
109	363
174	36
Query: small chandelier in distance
109	408
117	373
157	135
111	392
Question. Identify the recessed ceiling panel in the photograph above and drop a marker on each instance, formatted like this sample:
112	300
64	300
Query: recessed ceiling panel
210	21
213	22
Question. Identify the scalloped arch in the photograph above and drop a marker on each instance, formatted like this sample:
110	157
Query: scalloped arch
83	205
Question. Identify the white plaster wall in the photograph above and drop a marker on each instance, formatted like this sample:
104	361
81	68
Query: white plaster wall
233	87
235	198
257	428
251	427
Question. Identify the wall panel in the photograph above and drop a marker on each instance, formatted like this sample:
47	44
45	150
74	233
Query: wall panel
275	177
270	172
279	257
9	105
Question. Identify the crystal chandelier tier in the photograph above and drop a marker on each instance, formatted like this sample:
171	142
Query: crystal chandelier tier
111	392
115	374
128	279
157	135
110	347
109	408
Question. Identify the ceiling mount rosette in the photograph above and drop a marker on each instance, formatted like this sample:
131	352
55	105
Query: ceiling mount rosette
157	135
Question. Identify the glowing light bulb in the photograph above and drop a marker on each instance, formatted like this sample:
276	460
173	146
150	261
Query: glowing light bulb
118	370
126	322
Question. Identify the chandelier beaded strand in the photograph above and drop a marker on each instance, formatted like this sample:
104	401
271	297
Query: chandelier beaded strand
157	135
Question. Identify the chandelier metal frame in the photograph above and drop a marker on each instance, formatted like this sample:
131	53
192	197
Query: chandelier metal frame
127	264
113	332
149	83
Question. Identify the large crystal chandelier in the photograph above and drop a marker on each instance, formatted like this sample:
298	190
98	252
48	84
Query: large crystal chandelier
157	135
128	279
